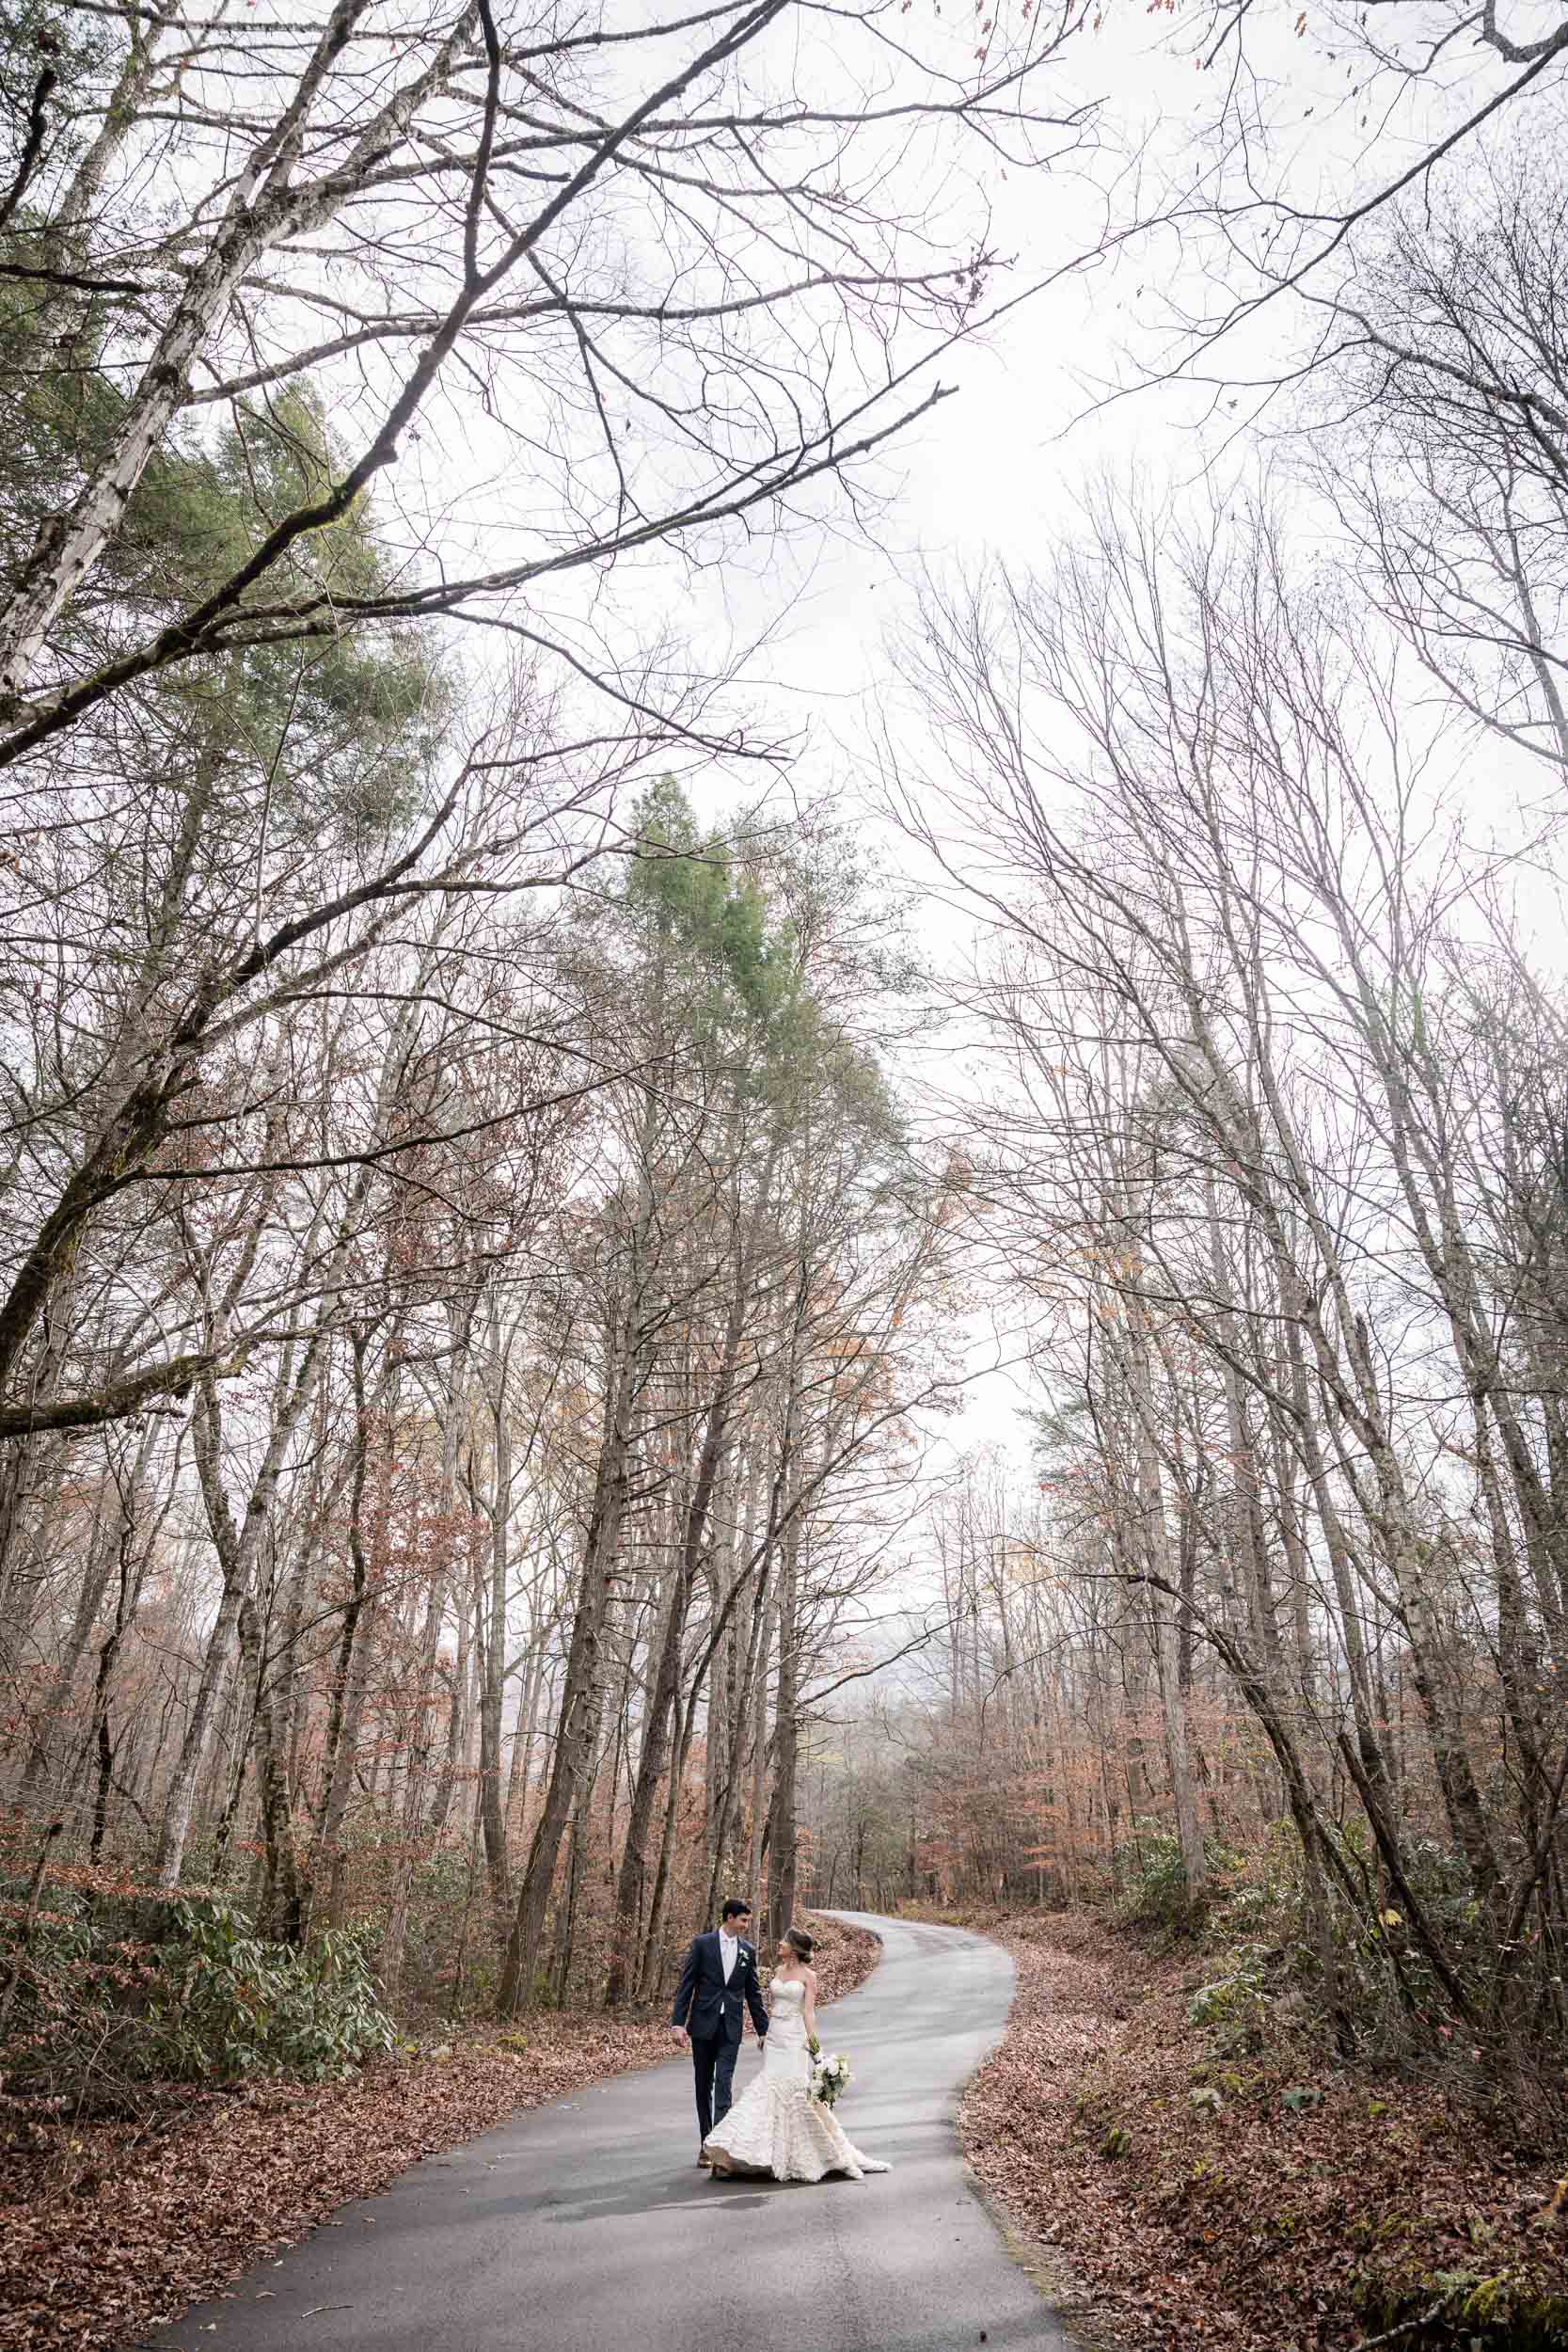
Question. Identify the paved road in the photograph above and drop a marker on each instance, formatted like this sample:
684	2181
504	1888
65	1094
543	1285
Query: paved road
586	2226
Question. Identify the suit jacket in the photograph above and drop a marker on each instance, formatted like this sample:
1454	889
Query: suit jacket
709	2008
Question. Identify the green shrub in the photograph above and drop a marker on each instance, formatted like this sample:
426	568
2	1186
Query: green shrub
116	1994
228	2005
1152	1879
1232	2004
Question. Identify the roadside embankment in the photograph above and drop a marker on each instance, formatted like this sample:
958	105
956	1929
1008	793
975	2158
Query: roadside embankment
1200	2172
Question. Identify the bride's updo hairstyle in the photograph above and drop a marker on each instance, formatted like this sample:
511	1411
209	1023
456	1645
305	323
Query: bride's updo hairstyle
801	1943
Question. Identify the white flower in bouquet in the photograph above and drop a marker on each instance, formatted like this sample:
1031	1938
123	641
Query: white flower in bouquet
829	2076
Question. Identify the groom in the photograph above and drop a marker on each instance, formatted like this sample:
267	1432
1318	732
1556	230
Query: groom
720	1970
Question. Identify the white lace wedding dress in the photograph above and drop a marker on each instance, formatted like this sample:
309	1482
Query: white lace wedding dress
774	2126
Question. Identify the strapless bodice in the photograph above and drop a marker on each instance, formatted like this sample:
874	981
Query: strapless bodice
786	2025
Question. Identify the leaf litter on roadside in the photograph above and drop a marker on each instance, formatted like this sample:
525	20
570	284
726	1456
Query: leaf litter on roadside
1280	2216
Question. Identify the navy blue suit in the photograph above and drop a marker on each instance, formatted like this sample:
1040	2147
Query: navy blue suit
712	2013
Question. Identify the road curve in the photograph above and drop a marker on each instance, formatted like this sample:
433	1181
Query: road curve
586	2225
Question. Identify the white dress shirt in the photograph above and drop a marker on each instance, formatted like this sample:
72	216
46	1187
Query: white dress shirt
729	1952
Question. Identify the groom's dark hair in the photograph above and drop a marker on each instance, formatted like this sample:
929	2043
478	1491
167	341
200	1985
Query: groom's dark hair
737	1908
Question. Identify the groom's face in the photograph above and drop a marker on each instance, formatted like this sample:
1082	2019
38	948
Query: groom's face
741	1924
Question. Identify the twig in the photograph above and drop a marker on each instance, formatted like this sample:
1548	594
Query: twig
1422	2319
37	123
71	280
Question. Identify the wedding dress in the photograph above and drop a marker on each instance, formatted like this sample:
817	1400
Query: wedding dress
775	2126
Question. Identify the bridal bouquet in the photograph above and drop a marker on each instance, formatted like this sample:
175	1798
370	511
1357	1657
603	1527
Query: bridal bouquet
827	2077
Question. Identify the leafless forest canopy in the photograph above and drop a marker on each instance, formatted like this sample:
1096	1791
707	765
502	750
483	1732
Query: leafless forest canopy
502	1176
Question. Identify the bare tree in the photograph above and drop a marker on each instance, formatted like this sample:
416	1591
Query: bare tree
1210	848
1446	398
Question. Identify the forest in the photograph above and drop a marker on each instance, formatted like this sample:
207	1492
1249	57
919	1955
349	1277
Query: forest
612	1293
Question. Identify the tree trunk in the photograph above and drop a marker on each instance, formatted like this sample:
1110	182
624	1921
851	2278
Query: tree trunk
575	1732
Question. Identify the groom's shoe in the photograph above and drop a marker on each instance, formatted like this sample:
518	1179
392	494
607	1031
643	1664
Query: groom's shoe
703	2157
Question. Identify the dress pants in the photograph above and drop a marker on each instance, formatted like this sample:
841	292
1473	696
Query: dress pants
714	2061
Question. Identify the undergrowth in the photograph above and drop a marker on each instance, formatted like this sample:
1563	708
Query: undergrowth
106	1994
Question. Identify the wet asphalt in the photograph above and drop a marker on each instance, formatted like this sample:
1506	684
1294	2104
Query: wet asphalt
586	2226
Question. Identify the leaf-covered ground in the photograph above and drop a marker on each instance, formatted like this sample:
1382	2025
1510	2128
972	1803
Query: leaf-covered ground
1282	2210
108	2229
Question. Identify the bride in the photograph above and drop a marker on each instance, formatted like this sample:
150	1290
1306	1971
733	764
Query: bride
776	2126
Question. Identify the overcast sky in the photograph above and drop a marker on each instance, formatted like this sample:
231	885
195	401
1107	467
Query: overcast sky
997	470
